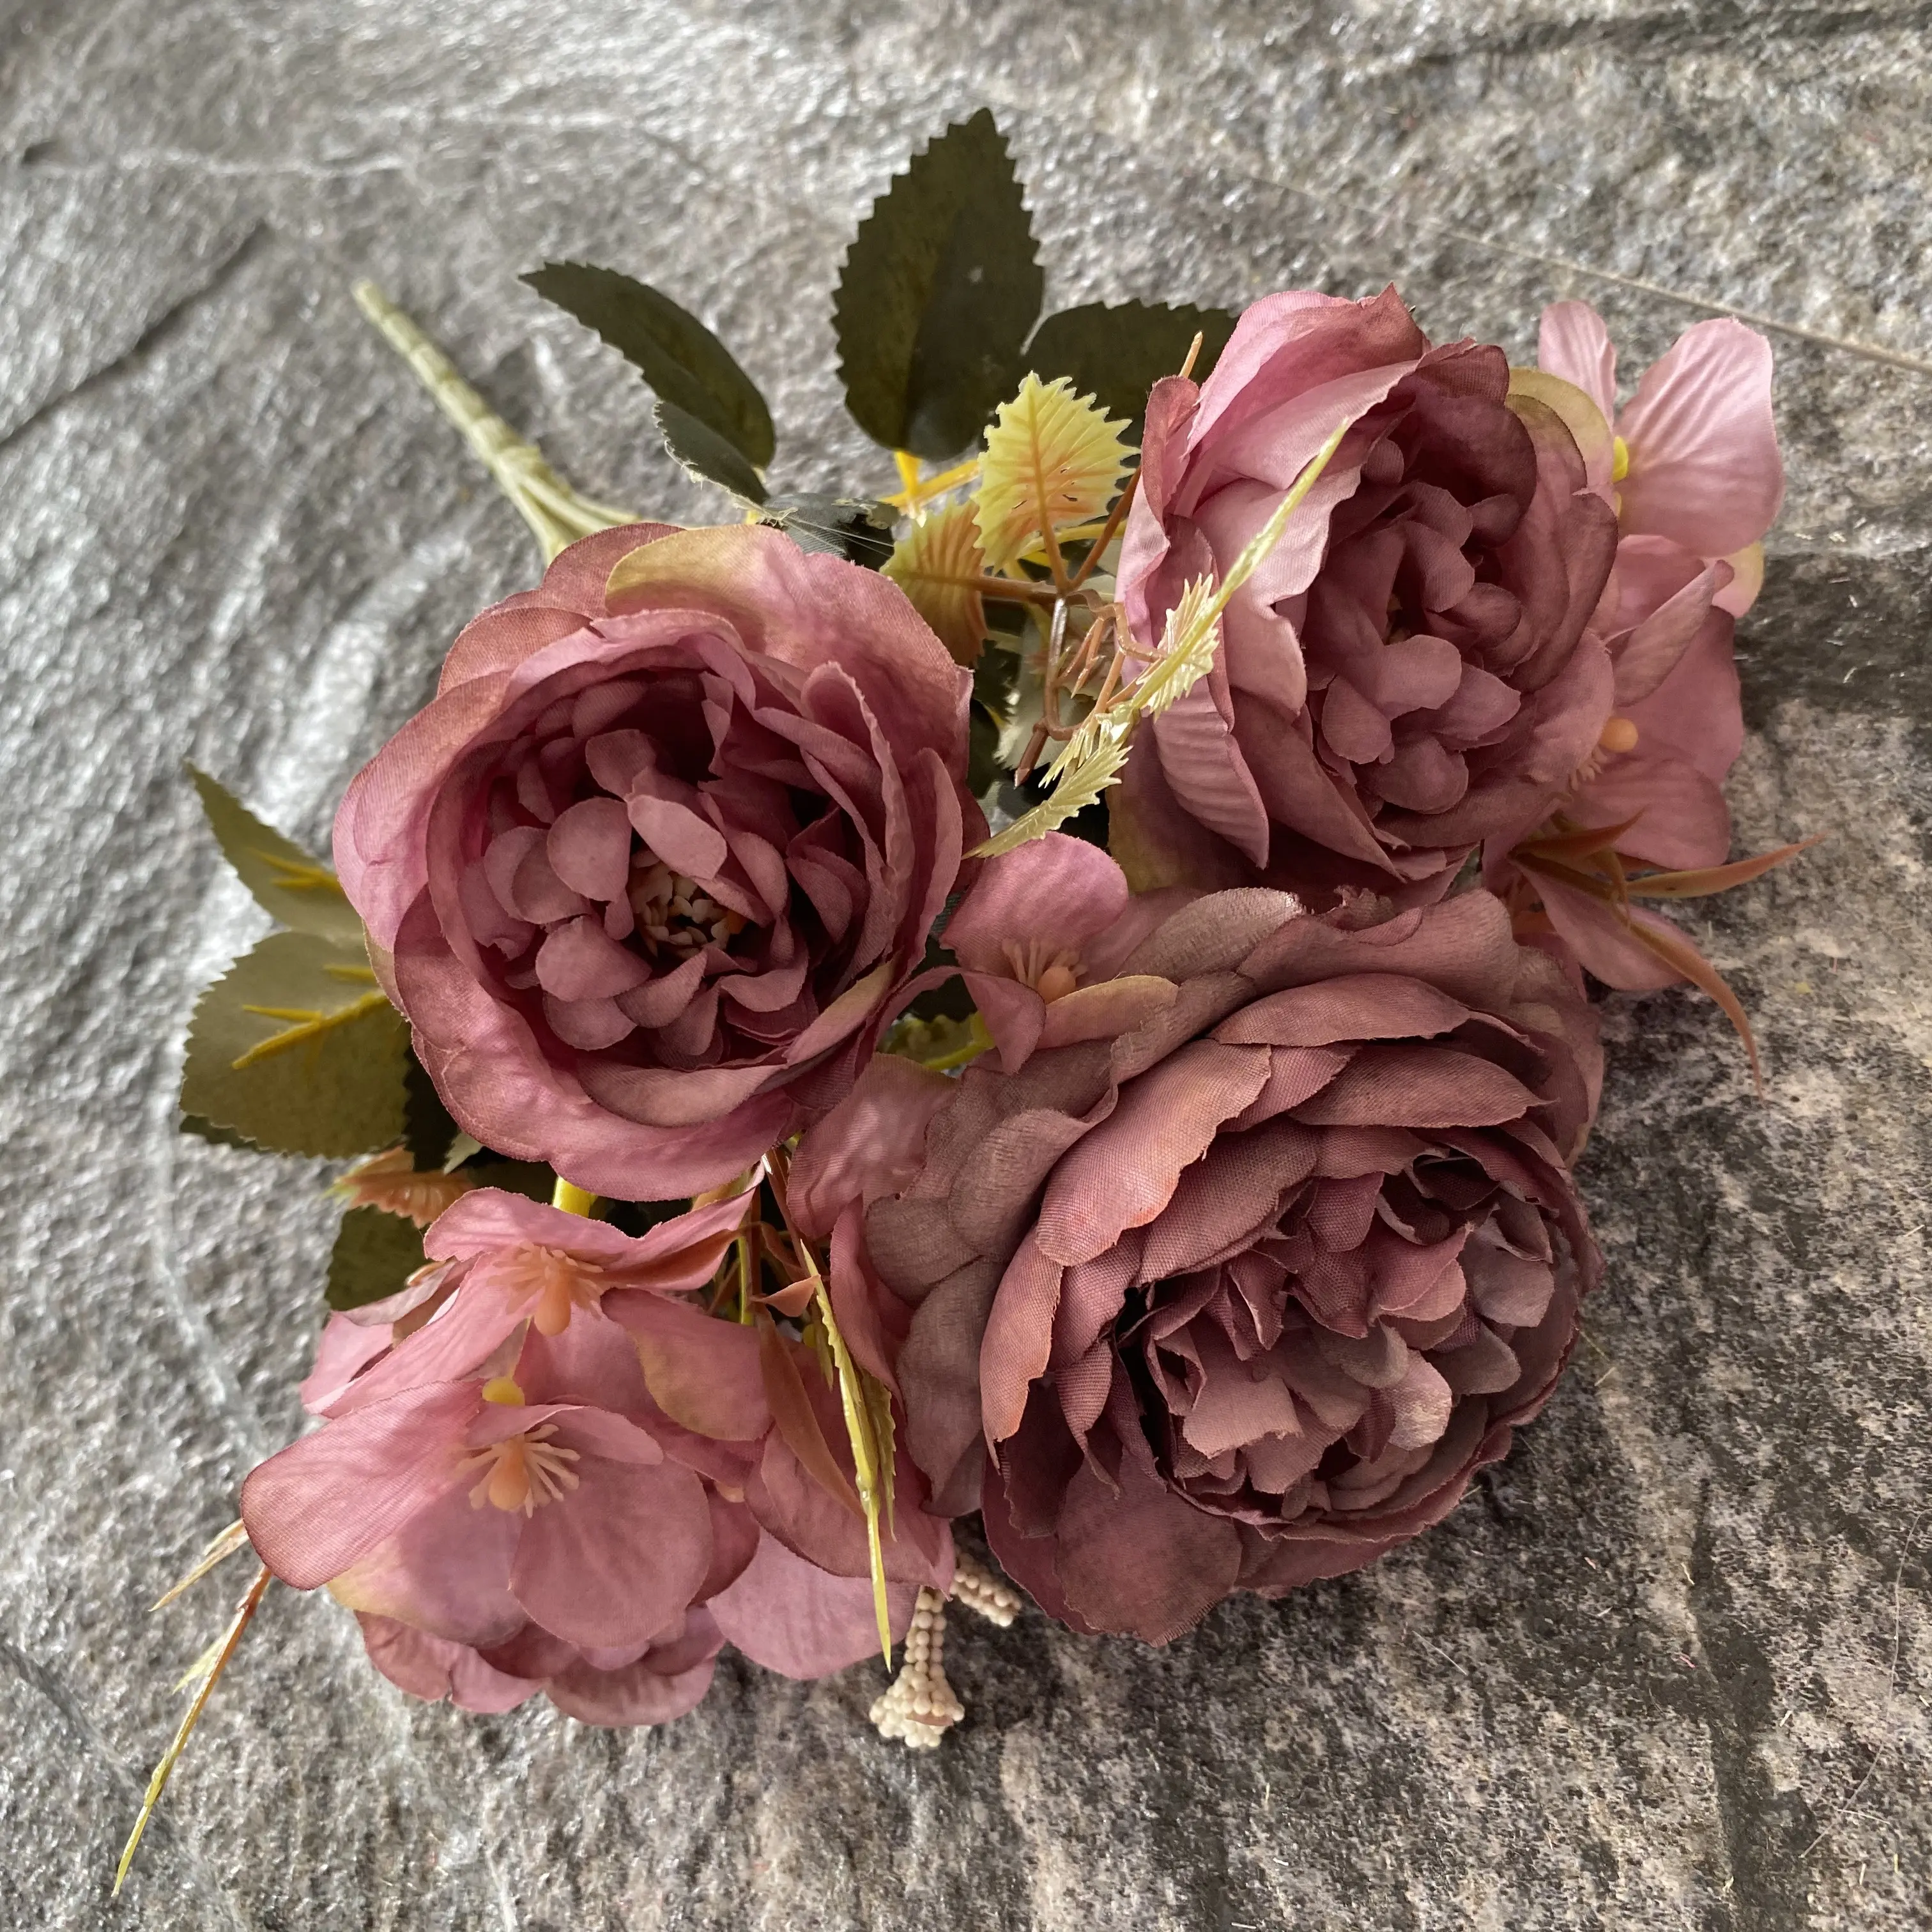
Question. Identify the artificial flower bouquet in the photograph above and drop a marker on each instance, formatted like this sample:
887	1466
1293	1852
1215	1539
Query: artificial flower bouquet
1055	993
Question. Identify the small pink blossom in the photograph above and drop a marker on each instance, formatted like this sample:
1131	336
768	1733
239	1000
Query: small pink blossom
545	1466
1695	480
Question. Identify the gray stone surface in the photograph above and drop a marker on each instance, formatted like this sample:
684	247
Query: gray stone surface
1668	1668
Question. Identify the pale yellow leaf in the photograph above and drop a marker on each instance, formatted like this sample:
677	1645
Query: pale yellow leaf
1091	760
1077	790
1052	458
938	565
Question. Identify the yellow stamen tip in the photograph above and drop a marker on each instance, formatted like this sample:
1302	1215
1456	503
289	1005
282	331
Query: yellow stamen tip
1619	459
502	1389
1620	734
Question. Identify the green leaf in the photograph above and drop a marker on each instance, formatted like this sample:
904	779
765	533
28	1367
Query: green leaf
375	1253
1118	353
938	293
428	1130
983	769
680	358
206	1130
296	1048
528	1177
299	890
858	529
706	454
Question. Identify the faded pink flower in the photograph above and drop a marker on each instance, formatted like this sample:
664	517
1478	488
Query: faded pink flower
1408	670
1242	1294
644	876
1696	479
1697	463
544	1468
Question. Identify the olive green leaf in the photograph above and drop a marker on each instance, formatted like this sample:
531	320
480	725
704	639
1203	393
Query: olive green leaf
938	291
709	456
299	890
295	1047
680	358
858	529
528	1177
205	1130
1117	353
428	1131
375	1253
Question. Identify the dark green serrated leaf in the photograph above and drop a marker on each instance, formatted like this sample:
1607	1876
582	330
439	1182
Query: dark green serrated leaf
983	769
856	528
428	1130
637	1218
1117	353
938	291
529	1177
298	890
705	454
375	1254
206	1130
331	1081
680	358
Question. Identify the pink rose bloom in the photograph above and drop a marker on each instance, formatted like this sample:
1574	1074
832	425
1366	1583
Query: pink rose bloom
1409	670
1696	479
1242	1293
566	1477
647	871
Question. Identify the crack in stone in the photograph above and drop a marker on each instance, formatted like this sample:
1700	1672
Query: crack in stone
156	332
55	1690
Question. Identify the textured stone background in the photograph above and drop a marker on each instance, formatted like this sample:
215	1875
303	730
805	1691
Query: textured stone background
1666	1669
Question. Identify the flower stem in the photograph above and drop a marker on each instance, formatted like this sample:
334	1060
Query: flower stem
217	1662
572	1199
553	509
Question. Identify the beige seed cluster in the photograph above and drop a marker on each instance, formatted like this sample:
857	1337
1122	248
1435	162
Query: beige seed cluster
921	1707
992	1597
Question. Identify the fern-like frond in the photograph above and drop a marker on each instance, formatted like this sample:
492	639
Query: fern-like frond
1052	458
1076	790
1091	759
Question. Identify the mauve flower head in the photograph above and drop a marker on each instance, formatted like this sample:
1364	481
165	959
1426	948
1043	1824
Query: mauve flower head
545	1467
1693	472
1243	1294
1409	670
647	872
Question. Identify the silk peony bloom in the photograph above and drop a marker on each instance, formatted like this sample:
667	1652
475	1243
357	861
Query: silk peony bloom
1409	670
546	1468
1695	476
1242	1295
646	872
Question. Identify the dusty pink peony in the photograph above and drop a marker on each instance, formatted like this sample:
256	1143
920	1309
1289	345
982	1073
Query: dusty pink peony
644	878
1409	670
545	1467
1243	1294
1696	479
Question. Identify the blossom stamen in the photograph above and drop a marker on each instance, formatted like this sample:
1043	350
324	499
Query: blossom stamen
1052	975
522	1472
556	1283
674	912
